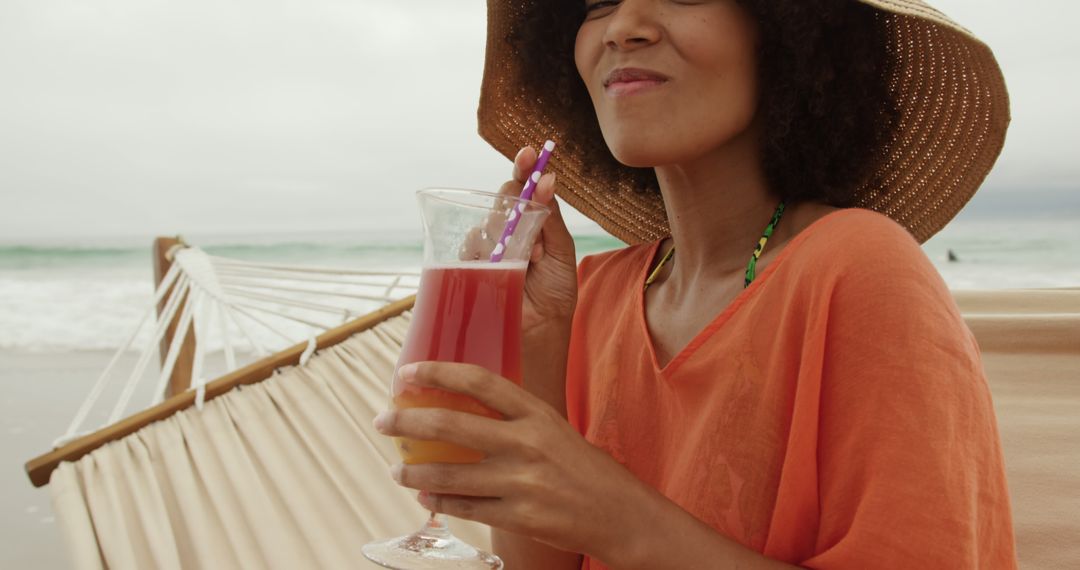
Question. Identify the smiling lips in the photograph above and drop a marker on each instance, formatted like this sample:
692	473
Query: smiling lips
628	80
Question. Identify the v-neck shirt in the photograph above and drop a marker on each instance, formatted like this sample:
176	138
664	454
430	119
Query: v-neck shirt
834	415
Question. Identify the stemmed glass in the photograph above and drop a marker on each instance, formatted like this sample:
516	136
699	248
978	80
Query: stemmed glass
468	309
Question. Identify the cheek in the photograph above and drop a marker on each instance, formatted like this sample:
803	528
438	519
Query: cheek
581	56
737	87
730	75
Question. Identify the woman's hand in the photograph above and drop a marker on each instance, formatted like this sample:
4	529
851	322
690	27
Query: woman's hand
551	282
550	295
540	478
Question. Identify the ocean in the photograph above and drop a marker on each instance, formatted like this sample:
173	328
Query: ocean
63	296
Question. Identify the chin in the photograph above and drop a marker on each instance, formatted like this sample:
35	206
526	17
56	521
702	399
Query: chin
634	160
643	152
640	146
638	150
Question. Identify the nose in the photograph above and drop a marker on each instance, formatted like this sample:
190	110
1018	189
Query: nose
634	24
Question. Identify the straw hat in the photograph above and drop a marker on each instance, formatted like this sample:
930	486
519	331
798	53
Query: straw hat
953	113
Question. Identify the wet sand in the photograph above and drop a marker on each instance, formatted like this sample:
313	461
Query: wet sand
42	392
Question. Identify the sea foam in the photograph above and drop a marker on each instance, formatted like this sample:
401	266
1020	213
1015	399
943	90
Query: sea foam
79	298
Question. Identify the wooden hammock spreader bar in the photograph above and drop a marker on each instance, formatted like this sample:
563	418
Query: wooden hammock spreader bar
40	468
180	380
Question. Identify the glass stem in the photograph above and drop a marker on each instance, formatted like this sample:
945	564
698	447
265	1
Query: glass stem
436	527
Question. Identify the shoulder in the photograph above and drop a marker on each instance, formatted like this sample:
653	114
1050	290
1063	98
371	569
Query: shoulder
616	266
860	246
854	231
860	266
606	281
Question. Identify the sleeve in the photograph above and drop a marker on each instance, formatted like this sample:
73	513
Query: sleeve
576	365
910	468
599	277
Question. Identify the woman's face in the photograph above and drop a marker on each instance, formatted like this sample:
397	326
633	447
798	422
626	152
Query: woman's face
670	80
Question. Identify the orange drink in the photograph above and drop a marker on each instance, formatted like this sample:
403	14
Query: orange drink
468	310
465	312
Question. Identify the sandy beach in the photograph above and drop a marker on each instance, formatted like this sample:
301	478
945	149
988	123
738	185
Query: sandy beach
1030	342
42	391
1031	350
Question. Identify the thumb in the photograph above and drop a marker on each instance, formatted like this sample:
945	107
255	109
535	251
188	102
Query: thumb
555	238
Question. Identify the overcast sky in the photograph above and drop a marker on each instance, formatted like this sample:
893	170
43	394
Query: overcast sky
143	117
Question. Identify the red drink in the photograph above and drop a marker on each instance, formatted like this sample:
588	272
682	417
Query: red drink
468	312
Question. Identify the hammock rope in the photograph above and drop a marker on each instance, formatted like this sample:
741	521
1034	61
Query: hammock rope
244	302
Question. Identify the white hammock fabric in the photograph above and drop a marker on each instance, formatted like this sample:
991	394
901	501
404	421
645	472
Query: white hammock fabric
237	306
286	473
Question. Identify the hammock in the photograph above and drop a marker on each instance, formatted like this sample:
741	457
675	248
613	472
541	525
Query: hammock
285	473
283	470
280	468
247	304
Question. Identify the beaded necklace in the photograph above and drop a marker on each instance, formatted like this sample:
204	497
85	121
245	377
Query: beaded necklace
751	267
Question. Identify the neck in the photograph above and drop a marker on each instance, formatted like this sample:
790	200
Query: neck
717	207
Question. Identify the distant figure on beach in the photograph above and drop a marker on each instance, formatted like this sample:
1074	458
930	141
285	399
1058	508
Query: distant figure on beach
952	256
772	374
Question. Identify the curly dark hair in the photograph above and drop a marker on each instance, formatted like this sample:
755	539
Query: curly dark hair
824	96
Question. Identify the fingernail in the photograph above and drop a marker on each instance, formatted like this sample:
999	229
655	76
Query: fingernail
381	420
407	372
423	497
395	472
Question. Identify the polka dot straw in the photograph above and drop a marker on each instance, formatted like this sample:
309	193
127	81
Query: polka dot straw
526	194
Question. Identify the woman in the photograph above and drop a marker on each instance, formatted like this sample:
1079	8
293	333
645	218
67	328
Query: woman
813	401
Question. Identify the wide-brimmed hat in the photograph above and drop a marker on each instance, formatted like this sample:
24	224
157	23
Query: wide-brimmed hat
948	89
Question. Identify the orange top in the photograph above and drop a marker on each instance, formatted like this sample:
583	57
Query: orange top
834	415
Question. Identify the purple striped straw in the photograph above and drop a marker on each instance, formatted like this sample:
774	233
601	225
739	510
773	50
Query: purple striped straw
526	194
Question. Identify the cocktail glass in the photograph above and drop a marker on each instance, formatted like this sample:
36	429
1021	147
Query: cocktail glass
468	309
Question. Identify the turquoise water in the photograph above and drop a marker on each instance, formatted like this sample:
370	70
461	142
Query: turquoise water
341	251
64	296
1008	254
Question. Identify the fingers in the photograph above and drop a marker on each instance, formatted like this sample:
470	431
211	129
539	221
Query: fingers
545	189
555	237
523	165
477	244
439	424
467	479
485	510
490	389
511	188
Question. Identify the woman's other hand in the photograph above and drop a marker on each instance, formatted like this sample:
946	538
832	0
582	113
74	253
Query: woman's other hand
539	479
